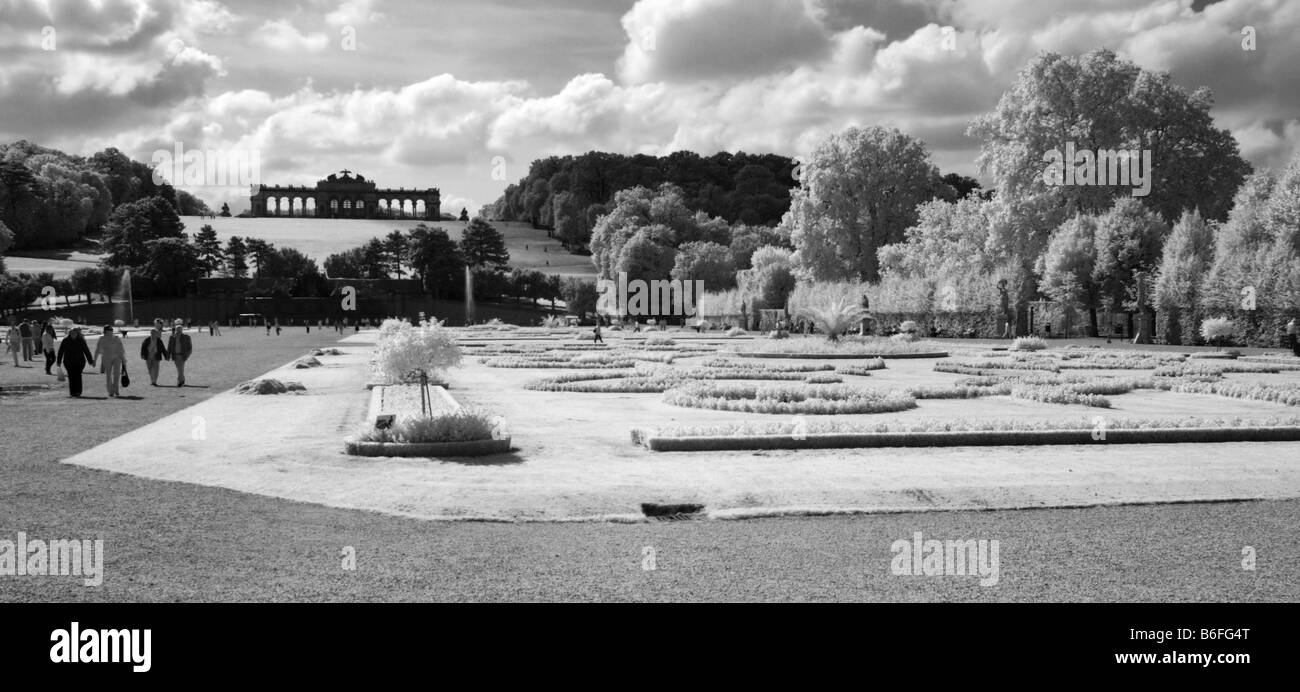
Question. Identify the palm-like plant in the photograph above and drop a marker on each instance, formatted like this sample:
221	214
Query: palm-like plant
835	316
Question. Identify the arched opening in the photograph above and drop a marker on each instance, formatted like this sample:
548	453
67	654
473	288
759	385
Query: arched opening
419	209
334	207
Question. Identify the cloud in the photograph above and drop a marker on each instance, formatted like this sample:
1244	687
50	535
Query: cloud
691	40
353	13
282	36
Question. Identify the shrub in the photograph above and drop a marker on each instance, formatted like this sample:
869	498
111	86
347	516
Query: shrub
822	378
553	322
965	366
1287	395
907	327
862	368
659	340
463	425
736	331
958	391
390	326
855	345
1217	330
1057	394
903	337
786	399
1028	343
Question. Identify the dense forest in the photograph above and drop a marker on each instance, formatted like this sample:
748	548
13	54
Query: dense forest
566	194
51	199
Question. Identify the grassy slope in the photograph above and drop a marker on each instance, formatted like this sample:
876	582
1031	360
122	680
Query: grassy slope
318	238
173	541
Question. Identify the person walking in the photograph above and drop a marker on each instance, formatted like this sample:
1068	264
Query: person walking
25	332
268	327
111	355
14	341
181	346
72	357
596	331
1291	336
47	345
153	352
277	327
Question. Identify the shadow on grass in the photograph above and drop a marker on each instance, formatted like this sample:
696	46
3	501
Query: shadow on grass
507	459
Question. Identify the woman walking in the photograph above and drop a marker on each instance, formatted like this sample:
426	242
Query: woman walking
111	355
153	352
47	345
72	356
15	342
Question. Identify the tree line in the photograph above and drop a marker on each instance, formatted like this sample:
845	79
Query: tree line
52	199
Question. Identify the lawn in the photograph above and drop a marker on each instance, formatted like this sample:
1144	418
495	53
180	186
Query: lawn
575	457
167	541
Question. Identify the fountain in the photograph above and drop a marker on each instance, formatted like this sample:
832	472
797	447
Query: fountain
469	297
122	295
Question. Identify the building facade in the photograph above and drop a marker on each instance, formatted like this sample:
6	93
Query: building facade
345	196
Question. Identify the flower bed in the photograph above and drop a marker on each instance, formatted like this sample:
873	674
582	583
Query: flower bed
1286	395
1062	394
972	367
849	347
785	399
950	433
861	369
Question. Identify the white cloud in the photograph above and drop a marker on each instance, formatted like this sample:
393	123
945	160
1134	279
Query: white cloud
282	36
353	13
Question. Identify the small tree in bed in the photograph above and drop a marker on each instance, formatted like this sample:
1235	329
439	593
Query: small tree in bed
407	353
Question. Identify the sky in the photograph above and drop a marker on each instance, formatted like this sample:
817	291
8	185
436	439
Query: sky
462	94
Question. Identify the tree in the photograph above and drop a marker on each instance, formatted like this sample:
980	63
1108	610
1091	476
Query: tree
708	262
482	246
436	259
417	352
1100	102
225	210
859	193
745	239
1129	239
345	265
375	259
579	295
208	247
259	251
296	271
235	254
1186	259
772	277
1068	267
173	264
131	226
647	255
85	282
6	242
397	248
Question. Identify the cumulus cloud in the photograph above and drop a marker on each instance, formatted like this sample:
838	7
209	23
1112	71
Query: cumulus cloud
690	40
283	36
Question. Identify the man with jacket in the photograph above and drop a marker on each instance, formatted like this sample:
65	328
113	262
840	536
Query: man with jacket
180	347
73	355
153	352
